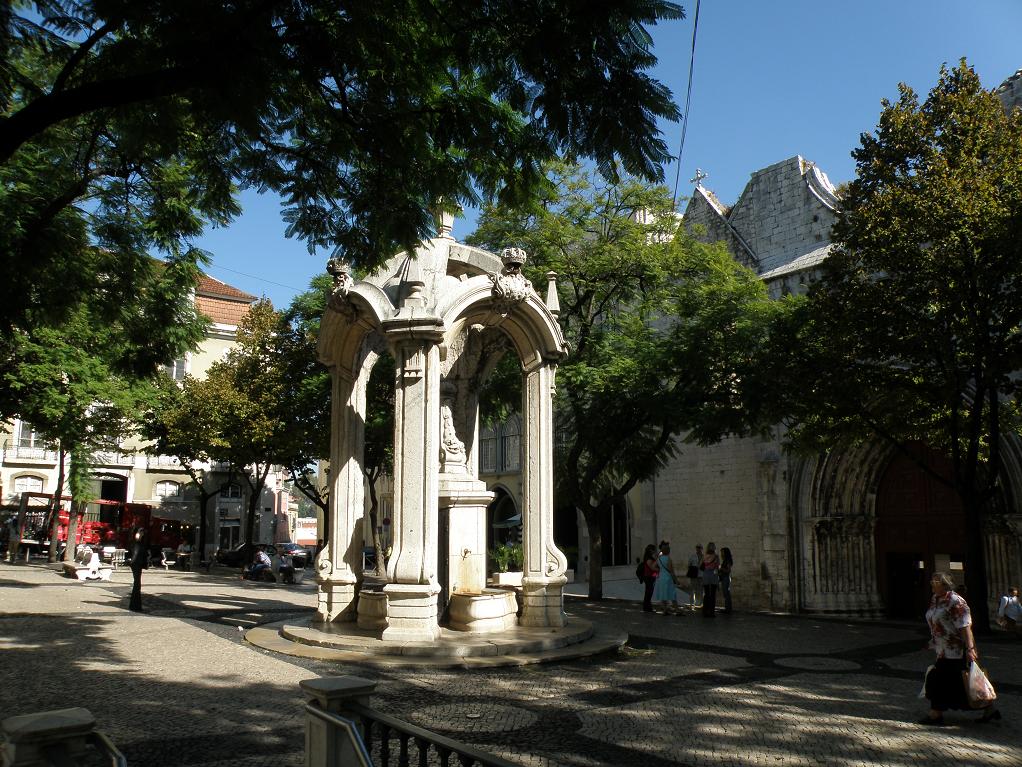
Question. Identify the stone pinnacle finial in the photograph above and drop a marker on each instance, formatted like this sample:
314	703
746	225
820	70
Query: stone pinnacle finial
445	225
552	301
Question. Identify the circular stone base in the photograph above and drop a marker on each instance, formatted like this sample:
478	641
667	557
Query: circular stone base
517	645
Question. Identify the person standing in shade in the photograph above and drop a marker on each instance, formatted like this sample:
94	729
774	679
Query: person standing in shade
711	563
650	568
724	573
665	590
139	562
1009	612
695	583
951	638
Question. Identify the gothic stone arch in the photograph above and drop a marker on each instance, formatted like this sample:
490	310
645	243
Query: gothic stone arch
833	502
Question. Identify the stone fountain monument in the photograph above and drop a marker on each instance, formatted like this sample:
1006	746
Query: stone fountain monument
443	313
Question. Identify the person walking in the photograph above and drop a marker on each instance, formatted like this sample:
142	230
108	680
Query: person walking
951	638
665	589
727	563
1009	612
710	578
695	583
139	561
650	569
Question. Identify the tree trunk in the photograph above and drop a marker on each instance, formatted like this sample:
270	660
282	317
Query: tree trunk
313	495
256	490
250	516
74	519
975	564
592	518
200	549
55	508
324	534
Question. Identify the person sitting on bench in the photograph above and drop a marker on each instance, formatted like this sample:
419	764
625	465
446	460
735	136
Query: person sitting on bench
261	562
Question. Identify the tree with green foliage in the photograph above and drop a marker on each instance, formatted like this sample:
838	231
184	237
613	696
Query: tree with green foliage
253	427
85	201
266	403
131	125
71	386
662	331
186	422
304	399
913	333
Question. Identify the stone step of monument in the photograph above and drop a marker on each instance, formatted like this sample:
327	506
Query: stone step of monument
519	646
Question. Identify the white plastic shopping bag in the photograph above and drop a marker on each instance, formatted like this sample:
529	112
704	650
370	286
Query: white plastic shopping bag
981	693
922	692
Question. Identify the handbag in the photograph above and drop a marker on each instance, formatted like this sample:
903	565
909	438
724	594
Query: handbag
978	688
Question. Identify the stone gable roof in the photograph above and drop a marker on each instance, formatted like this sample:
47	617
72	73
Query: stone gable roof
1010	91
781	223
784	213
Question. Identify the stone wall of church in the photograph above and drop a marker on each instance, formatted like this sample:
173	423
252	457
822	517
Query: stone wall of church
1010	91
706	220
784	212
732	494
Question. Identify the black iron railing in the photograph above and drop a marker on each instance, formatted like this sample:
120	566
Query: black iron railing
393	743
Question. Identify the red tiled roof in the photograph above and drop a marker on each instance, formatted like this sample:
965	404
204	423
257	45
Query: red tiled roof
222	310
210	286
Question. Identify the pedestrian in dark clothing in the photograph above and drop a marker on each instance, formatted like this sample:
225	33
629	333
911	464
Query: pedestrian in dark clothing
649	574
711	579
139	562
727	563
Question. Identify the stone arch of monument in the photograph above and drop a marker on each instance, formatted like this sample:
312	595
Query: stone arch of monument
833	502
441	313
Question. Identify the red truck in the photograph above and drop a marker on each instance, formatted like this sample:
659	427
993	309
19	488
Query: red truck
104	523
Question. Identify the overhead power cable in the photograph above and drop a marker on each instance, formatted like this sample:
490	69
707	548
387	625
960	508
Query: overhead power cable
688	102
255	277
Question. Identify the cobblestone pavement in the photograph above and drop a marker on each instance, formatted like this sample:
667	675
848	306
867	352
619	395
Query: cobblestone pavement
178	685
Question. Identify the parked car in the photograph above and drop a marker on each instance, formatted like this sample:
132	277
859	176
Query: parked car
300	556
242	554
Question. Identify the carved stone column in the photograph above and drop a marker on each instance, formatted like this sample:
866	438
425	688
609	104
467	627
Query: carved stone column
543	578
339	564
412	586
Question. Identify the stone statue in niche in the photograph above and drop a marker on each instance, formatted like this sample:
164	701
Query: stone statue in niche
453	459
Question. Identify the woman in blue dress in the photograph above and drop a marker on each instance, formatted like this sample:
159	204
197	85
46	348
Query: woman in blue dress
665	590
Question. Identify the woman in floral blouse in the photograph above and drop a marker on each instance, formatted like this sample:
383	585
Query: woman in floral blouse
951	638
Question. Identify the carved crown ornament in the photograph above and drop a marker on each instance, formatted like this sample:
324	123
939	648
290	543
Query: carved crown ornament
340	270
510	287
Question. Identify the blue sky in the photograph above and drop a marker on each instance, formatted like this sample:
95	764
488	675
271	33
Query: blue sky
772	80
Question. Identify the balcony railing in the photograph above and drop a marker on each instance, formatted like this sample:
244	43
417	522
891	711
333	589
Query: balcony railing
163	462
15	452
112	458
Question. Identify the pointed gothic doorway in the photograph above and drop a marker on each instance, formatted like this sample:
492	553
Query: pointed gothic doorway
920	527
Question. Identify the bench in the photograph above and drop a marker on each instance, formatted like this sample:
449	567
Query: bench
93	570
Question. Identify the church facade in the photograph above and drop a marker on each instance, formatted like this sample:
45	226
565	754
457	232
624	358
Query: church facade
853	532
